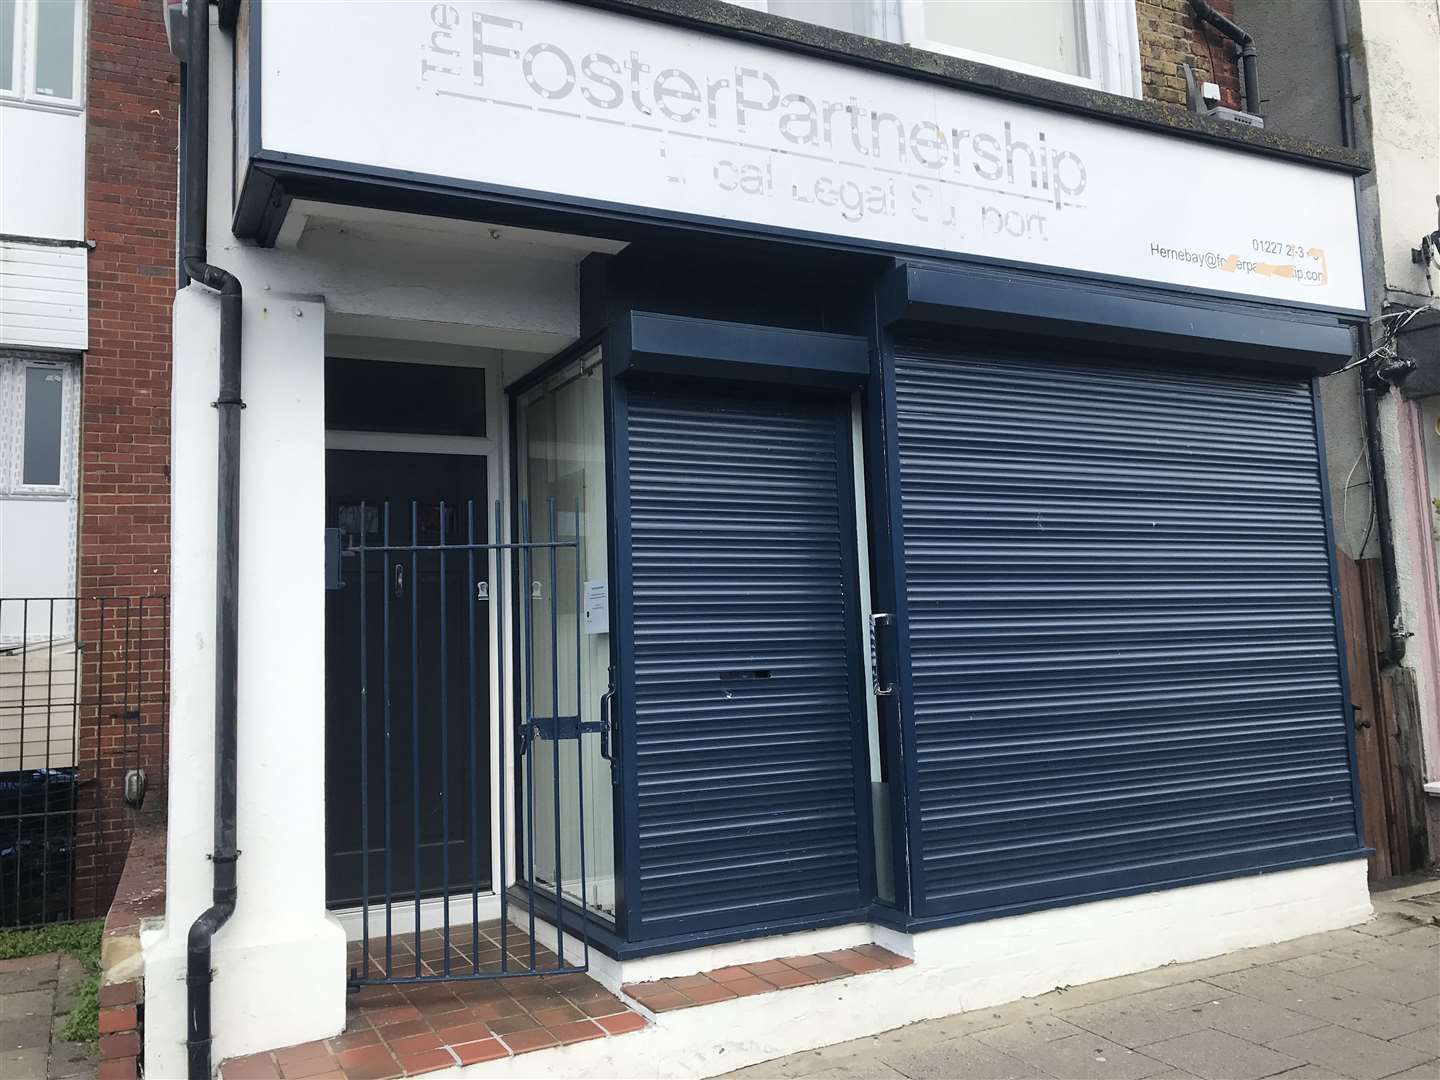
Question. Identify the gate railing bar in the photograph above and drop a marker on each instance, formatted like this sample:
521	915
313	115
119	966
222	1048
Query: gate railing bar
529	747
555	743
49	721
464	547
385	679
502	726
471	588
24	693
579	746
444	756
415	719
364	765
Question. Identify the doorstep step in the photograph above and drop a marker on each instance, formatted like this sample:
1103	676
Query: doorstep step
765	977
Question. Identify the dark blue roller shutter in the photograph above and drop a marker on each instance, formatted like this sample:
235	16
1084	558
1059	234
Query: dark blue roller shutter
743	721
1121	629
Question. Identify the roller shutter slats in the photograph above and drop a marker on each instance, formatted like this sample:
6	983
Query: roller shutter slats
746	806
1121	629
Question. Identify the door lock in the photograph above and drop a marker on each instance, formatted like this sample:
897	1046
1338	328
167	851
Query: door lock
399	589
482	590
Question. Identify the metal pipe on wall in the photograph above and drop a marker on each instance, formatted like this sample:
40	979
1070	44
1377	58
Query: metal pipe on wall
195	53
1249	55
1377	376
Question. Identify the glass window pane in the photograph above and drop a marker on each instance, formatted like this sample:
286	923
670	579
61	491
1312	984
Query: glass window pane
421	399
562	446
9	12
1046	33
55	48
44	409
849	15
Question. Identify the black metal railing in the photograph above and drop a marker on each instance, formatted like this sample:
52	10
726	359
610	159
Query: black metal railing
425	570
84	706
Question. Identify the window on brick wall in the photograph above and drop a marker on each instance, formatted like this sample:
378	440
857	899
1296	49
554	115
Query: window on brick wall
42	46
38	421
1091	43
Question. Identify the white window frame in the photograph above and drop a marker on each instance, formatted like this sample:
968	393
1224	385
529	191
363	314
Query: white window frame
1112	42
27	28
12	426
17	47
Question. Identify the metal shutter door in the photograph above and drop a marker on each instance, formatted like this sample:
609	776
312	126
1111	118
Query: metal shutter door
743	723
1121	628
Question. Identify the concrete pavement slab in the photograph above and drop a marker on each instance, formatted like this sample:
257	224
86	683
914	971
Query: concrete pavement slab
25	1003
1319	965
25	1032
1386	923
965	1057
1392	985
1248	1018
1129	1023
22	1064
1089	1057
1036	1030
1425	1041
1184	996
1389	954
1417	937
1216	1055
1349	1052
1428	1071
858	1070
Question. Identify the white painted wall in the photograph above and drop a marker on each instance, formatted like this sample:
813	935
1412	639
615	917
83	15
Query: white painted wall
279	963
1401	40
42	173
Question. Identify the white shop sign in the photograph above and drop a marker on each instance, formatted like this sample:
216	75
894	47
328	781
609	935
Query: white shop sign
571	101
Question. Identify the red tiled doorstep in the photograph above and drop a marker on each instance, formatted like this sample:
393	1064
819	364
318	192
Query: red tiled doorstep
766	976
411	1029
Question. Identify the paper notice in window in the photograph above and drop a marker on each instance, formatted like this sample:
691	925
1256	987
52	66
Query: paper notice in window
597	607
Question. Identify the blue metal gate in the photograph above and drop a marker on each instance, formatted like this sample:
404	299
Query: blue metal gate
422	664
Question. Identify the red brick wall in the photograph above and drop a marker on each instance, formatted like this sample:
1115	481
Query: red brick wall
124	526
1169	36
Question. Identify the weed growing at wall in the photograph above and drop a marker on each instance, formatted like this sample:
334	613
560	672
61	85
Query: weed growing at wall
80	940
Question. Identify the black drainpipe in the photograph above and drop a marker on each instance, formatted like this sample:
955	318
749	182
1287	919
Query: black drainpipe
1249	55
1376	377
198	974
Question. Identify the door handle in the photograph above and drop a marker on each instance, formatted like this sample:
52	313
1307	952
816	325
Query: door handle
876	621
399	589
606	736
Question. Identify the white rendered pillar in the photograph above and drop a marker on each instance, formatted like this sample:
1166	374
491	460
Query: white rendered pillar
280	961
